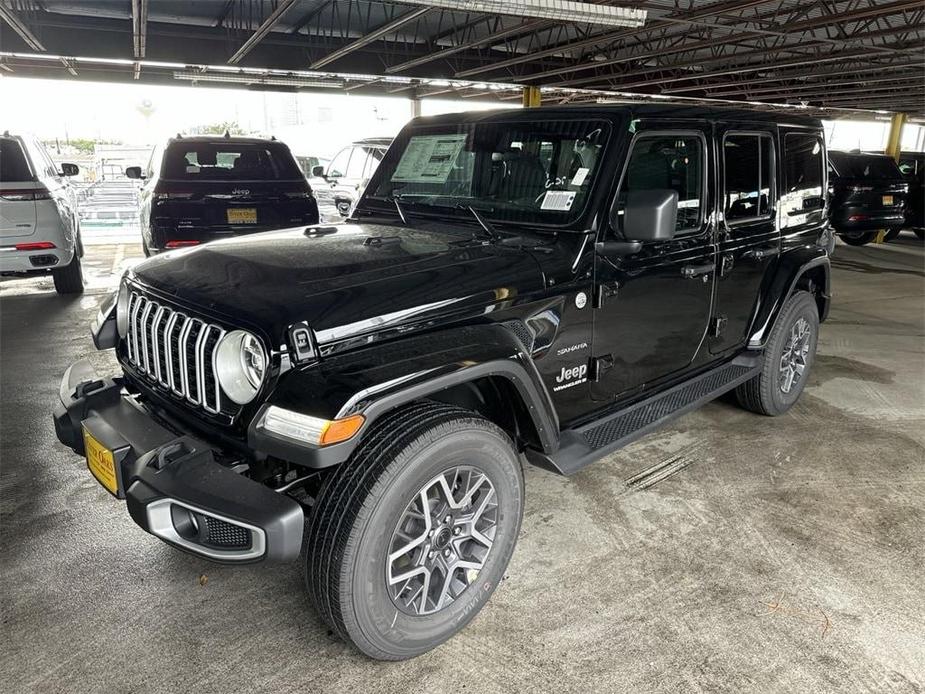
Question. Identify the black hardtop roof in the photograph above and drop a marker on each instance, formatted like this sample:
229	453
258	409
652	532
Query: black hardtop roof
632	111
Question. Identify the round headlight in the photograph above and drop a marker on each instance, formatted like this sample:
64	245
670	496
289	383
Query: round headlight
122	310
240	365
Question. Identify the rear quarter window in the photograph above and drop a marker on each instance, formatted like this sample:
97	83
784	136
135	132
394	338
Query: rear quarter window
14	168
207	161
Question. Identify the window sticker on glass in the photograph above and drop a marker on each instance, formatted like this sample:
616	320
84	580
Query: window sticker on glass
580	176
429	158
559	200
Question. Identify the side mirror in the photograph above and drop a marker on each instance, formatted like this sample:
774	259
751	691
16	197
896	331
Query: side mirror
133	172
69	169
318	171
650	215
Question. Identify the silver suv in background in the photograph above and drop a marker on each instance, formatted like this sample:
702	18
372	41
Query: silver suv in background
338	185
39	227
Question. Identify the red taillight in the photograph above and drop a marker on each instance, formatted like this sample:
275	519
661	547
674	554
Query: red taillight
858	218
19	195
181	243
36	246
173	195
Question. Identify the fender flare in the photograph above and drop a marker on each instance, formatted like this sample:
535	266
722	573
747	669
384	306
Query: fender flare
784	282
429	365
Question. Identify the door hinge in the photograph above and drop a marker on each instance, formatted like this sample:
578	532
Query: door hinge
717	326
603	292
600	366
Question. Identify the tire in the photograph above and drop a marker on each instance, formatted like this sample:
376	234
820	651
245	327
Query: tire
355	524
858	238
765	393
920	233
892	234
70	278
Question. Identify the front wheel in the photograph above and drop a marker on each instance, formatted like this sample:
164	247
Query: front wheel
858	238
920	233
411	536
787	360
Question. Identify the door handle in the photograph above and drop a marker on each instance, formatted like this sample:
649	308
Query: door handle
762	253
692	271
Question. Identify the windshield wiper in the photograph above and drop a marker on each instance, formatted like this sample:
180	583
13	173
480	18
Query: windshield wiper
490	231
399	210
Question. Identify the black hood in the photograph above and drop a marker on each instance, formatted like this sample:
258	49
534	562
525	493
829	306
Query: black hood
343	281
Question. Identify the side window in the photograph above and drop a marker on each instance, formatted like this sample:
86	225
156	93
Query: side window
372	163
803	174
674	162
357	164
748	162
338	165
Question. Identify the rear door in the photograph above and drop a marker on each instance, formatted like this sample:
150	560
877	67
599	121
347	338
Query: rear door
17	190
749	240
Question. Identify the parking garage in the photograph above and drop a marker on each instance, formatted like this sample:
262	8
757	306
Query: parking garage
714	549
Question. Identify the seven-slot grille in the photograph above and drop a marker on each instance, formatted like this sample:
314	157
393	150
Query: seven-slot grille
174	350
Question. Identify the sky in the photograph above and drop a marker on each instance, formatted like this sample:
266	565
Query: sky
319	124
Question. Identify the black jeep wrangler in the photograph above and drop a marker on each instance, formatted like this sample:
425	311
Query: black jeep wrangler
536	286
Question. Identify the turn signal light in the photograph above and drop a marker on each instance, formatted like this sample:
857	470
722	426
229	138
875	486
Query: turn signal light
181	243
36	246
341	429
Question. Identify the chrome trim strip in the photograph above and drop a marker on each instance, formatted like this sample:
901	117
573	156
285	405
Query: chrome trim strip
143	335
168	353
158	315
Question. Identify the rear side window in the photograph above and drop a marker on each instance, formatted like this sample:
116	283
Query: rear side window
672	162
218	161
803	174
13	165
748	162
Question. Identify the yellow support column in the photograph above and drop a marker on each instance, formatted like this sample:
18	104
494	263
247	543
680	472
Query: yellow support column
531	97
893	146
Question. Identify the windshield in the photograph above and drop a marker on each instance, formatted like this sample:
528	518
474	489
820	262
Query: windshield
539	172
220	161
861	166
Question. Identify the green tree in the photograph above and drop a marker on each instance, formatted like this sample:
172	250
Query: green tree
230	127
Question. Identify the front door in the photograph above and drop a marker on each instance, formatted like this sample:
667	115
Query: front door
653	307
749	239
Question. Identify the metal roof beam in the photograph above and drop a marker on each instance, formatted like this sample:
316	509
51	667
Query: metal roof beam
262	31
369	38
139	26
17	25
819	87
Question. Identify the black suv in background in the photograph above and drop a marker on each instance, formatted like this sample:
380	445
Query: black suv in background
912	167
543	285
868	193
198	189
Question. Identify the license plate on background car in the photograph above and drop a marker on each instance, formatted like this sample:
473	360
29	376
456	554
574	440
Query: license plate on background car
242	215
887	199
101	463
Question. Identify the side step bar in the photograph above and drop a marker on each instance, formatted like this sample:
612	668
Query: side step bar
584	445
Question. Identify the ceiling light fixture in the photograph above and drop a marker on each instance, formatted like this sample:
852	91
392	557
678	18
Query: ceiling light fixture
557	10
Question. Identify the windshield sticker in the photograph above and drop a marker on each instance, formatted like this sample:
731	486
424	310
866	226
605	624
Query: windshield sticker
580	176
559	200
429	158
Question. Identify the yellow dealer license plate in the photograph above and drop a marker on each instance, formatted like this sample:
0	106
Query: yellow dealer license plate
242	215
101	463
887	199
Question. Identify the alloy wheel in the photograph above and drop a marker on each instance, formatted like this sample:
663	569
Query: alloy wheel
442	540
793	359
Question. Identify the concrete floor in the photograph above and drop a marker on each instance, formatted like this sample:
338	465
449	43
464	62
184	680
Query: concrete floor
783	555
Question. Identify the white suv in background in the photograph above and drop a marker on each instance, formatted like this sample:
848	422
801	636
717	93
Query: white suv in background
39	227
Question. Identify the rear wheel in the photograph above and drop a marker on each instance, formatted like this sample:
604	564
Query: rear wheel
70	278
858	238
892	234
410	537
920	233
787	360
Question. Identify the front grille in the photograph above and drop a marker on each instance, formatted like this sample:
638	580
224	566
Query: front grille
175	351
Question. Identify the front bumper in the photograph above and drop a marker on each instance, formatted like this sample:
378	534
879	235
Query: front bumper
173	485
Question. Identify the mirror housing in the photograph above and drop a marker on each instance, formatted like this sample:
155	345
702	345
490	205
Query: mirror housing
69	169
133	172
318	171
650	215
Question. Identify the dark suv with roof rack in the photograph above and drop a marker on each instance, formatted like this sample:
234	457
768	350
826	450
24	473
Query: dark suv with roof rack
198	189
543	286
